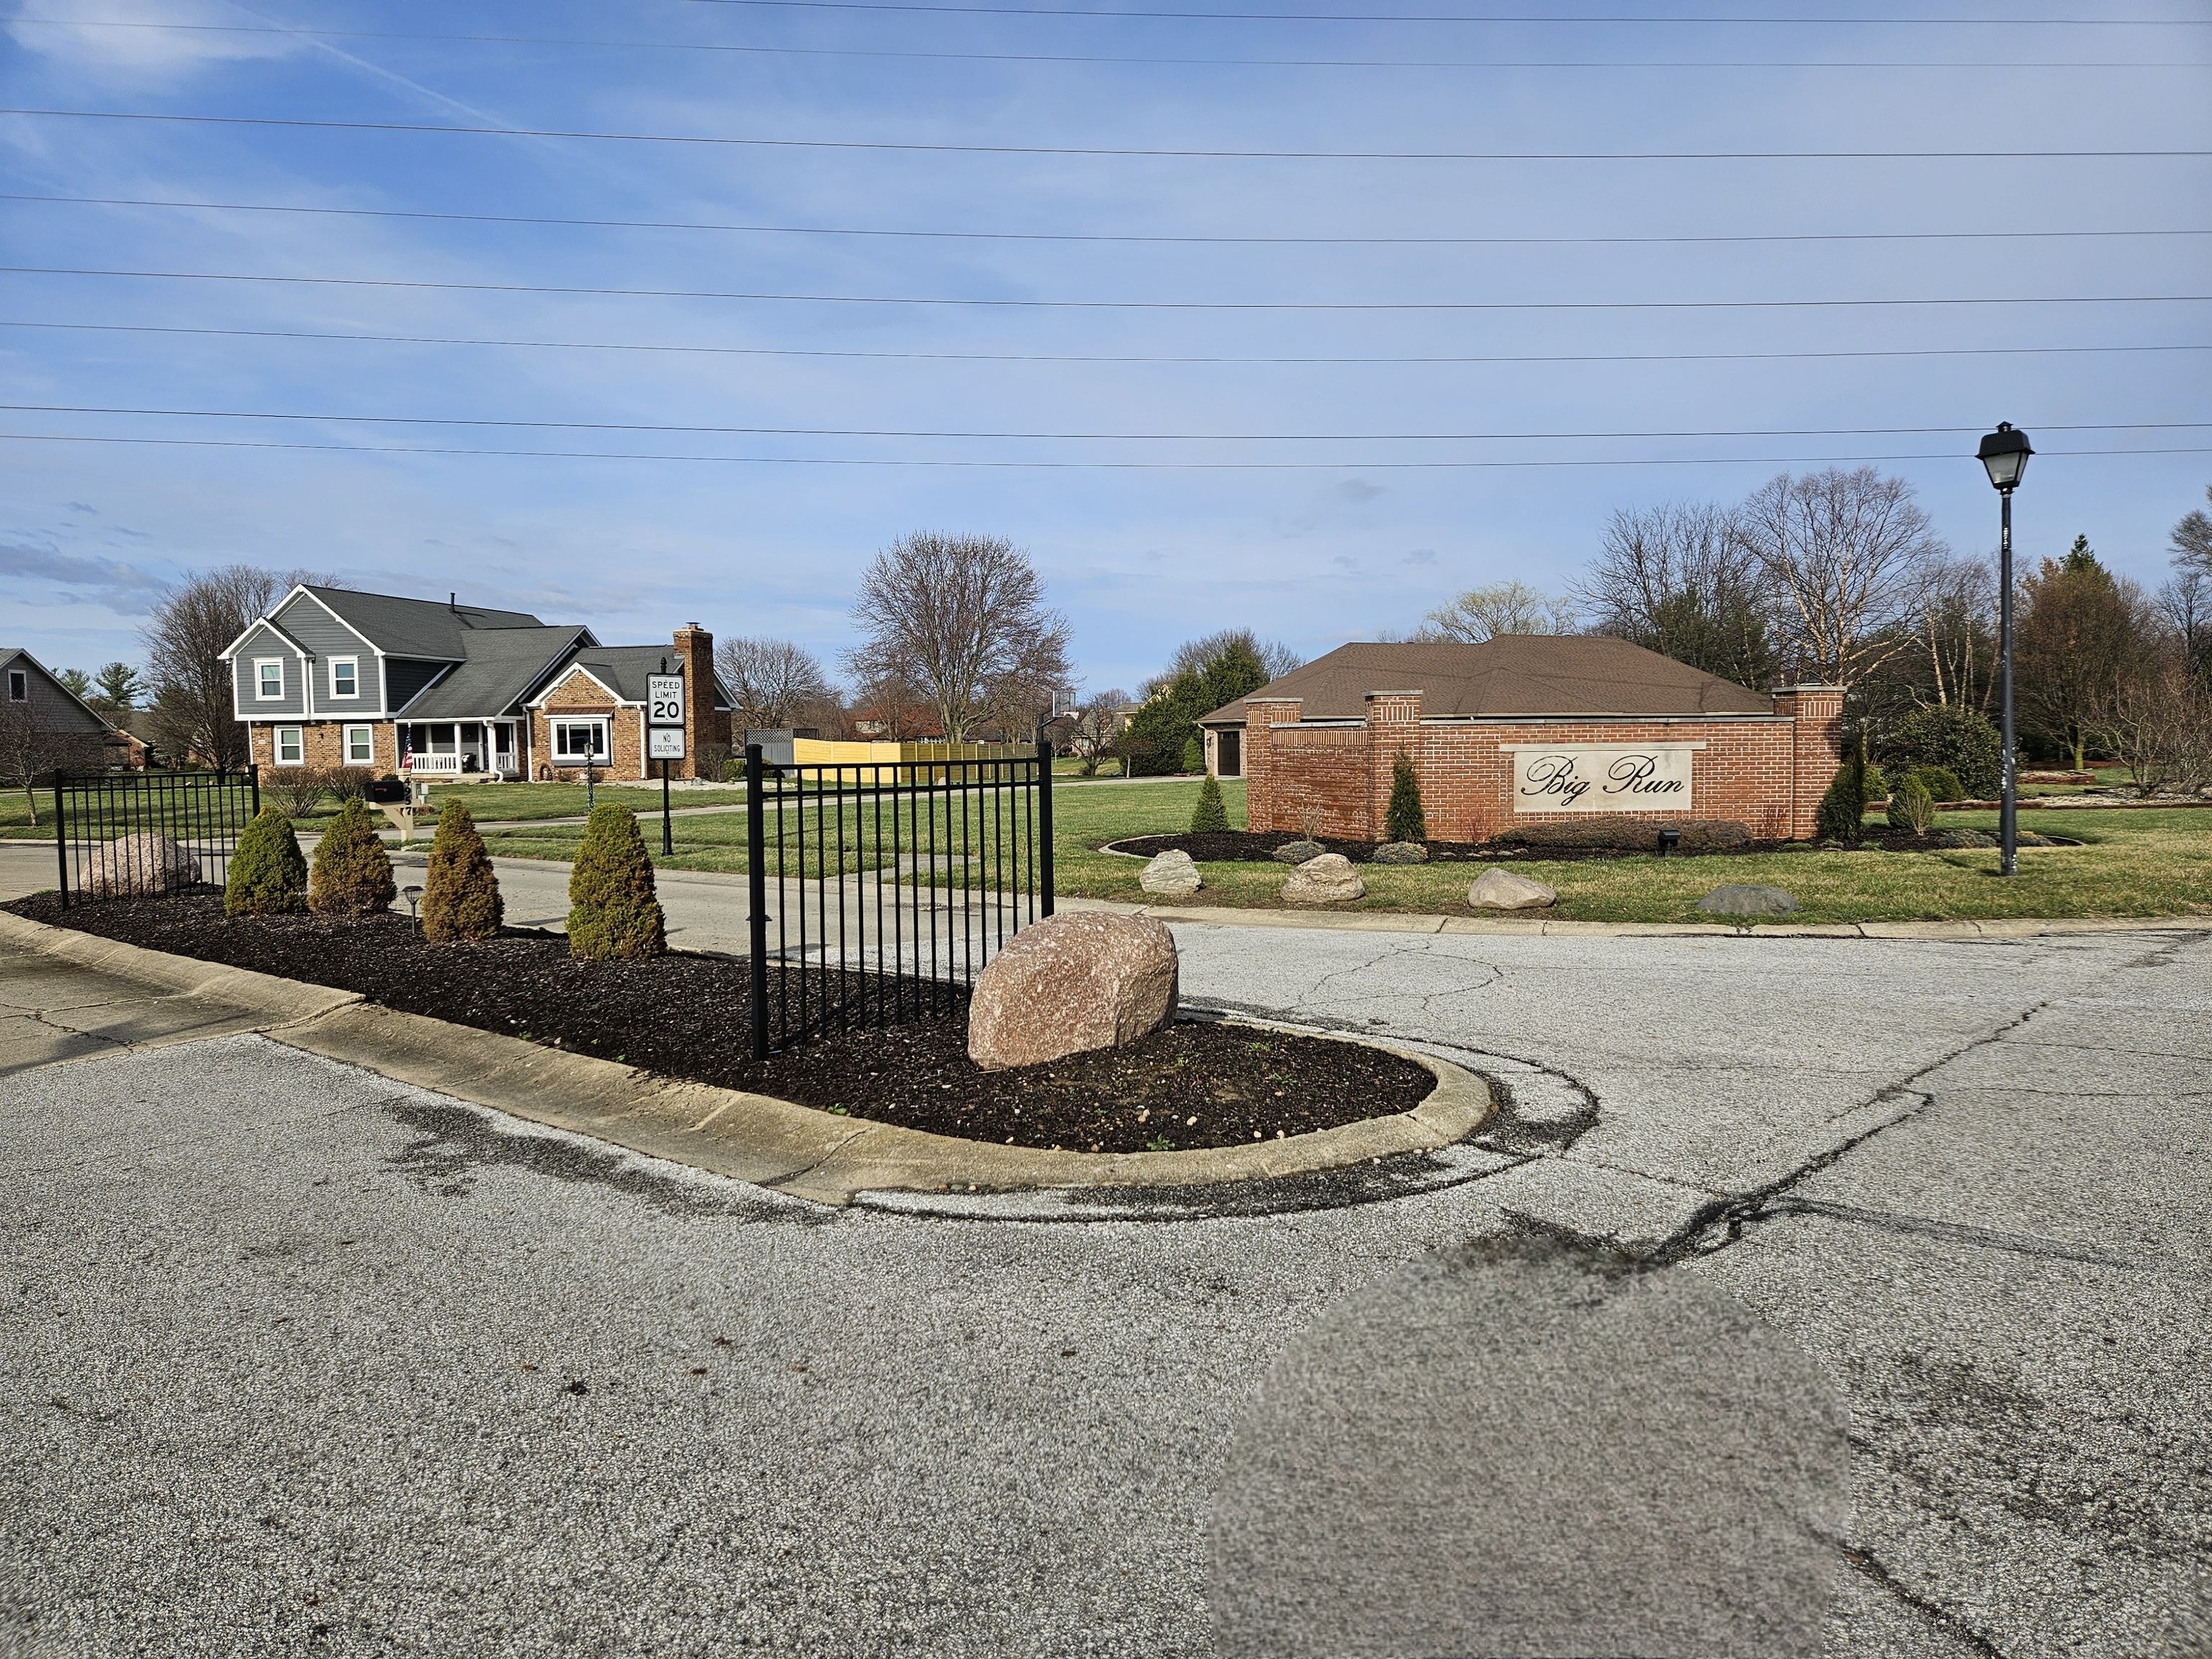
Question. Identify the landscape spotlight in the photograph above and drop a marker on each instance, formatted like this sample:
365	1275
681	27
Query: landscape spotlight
2004	454
414	897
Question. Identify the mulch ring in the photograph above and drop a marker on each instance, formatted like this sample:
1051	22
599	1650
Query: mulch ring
1258	847
1198	1082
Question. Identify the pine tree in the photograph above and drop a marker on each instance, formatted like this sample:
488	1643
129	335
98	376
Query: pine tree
353	872
1910	806
460	894
1404	819
1210	817
1844	805
612	910
266	869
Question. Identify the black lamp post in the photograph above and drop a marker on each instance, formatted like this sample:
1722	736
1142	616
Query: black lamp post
2004	453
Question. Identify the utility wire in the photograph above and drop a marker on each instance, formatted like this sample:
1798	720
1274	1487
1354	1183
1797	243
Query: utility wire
1055	357
1071	236
1090	57
1114	305
1112	152
1609	19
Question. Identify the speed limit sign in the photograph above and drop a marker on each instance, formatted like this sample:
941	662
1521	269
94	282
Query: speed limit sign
664	700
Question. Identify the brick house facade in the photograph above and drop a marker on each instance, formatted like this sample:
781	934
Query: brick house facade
1514	711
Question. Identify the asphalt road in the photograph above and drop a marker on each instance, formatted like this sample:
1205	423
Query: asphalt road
299	1360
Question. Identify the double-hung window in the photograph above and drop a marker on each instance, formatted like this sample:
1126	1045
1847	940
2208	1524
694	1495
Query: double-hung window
269	678
578	742
19	685
360	745
290	751
345	677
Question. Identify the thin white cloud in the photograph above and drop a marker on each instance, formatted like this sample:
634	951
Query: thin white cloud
157	37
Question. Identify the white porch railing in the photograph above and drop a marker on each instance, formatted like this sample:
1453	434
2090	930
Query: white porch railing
450	765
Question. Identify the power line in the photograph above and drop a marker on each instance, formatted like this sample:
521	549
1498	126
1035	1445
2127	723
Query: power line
1092	57
1416	18
1083	437
1071	236
1111	466
1058	357
1114	305
1114	152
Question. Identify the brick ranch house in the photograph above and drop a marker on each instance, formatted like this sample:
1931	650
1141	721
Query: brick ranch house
1521	730
334	677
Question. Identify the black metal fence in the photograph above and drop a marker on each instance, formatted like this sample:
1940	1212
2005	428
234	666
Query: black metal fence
106	825
880	889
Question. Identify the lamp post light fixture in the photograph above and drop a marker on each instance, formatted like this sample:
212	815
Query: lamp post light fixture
414	898
2004	454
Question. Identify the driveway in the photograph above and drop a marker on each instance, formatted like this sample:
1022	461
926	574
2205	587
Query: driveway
298	1359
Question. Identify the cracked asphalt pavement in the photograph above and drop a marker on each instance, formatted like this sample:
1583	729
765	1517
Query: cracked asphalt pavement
296	1359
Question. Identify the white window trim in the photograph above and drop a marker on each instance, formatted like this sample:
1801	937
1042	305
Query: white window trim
19	676
354	663
602	741
276	745
346	744
261	692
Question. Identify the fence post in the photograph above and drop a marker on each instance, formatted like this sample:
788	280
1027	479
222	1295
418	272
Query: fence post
757	884
1044	817
61	840
254	776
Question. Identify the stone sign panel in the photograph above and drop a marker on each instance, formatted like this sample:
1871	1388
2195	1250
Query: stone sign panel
1592	777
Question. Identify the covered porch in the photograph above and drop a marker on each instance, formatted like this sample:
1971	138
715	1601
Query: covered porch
460	748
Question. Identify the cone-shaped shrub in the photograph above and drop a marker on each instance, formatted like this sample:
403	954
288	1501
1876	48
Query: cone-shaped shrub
1844	804
266	870
460	895
353	872
1404	820
1194	757
612	911
1910	806
1210	817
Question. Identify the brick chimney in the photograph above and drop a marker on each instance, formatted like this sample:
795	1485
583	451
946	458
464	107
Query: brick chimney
705	733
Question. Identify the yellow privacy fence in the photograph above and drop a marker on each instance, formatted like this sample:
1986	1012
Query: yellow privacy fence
899	762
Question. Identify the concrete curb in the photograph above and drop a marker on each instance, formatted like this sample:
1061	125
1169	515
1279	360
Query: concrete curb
819	1156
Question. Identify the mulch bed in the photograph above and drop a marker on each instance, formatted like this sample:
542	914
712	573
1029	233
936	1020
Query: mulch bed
1198	1082
1258	846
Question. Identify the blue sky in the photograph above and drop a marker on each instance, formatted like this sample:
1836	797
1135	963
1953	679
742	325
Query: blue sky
1140	558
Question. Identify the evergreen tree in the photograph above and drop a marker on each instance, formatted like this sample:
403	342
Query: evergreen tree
460	894
1193	754
1960	742
1210	817
353	872
1910	806
612	910
1404	820
267	871
1844	805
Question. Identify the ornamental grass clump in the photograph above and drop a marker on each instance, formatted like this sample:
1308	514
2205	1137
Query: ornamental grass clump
1844	805
460	894
267	872
1910	806
1209	816
1404	819
353	872
612	911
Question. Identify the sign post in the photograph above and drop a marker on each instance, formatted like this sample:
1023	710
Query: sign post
663	738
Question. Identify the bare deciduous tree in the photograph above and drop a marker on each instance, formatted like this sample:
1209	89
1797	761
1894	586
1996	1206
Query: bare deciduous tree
2083	637
29	749
1678	580
2158	720
961	619
770	682
1507	607
1843	552
1196	656
1952	607
184	637
2192	539
1096	724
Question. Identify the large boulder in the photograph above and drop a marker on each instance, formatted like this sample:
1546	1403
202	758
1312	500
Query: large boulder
1501	889
1399	852
1297	852
1171	873
1071	983
1329	880
137	866
1748	901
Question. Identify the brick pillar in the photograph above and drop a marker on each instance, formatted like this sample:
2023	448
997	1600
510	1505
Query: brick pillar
1262	716
1816	749
705	733
1393	722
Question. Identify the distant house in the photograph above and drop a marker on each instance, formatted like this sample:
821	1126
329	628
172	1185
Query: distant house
44	726
914	723
334	677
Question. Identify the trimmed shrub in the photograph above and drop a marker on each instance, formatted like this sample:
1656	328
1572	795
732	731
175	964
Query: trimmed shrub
1910	806
1939	784
1403	819
1194	755
353	872
1210	817
733	771
267	872
1877	786
1843	806
460	894
612	911
1961	741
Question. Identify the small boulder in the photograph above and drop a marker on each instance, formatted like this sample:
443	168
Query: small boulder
1501	889
1399	852
1329	880
1748	901
137	866
1172	873
1069	984
1297	852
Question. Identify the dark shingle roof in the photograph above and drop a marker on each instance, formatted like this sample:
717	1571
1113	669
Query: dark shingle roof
503	665
1532	674
418	628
